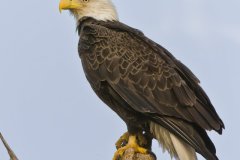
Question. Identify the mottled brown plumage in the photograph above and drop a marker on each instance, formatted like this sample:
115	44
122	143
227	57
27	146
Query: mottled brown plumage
142	82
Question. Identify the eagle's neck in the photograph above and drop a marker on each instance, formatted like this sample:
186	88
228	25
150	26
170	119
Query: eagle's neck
99	12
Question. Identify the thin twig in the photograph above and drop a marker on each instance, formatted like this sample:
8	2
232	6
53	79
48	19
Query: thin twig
9	150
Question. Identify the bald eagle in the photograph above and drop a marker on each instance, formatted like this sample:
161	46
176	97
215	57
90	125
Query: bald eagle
154	93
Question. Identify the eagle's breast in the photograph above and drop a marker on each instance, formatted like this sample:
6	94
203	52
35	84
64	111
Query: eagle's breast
101	50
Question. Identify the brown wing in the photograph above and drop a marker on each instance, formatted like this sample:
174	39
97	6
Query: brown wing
149	79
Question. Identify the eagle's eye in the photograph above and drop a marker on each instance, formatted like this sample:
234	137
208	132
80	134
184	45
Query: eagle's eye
85	1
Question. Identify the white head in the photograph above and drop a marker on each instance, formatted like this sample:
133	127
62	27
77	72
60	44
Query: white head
98	9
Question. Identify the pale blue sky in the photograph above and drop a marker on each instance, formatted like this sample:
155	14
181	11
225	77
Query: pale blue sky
46	101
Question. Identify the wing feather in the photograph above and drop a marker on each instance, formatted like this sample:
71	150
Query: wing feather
151	81
146	71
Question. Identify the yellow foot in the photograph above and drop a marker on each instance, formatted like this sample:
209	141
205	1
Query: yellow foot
123	140
132	143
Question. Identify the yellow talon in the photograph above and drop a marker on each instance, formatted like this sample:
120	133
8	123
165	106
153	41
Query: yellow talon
122	141
132	143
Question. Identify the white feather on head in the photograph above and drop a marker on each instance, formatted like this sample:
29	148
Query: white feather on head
98	9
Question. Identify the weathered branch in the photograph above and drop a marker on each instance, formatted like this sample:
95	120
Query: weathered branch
131	155
9	150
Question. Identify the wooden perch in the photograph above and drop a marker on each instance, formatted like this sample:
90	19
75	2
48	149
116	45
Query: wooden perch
9	150
131	155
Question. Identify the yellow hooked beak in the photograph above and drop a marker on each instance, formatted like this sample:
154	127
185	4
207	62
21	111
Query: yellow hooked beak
69	4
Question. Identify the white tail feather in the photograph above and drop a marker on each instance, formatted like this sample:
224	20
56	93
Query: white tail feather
184	151
174	145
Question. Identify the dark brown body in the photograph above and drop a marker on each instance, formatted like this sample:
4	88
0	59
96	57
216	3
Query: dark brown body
143	82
